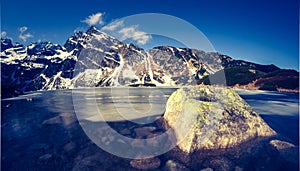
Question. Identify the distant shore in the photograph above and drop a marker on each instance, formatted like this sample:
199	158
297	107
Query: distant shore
246	87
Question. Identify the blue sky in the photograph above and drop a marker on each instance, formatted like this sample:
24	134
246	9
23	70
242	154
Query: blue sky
260	31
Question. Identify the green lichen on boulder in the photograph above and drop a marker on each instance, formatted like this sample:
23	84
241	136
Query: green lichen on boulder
211	118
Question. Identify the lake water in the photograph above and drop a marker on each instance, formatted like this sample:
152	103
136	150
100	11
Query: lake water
279	110
43	125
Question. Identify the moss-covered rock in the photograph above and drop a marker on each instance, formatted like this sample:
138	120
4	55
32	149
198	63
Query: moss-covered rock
212	118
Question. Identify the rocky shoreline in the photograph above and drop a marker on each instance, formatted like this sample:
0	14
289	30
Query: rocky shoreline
257	88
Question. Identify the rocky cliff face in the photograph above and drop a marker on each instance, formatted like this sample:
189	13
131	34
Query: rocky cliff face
94	59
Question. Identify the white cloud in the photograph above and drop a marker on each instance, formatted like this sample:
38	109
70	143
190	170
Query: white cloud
119	30
94	19
78	29
113	26
3	34
23	29
132	32
24	36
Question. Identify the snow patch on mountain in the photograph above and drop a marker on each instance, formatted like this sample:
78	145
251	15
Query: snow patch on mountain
94	59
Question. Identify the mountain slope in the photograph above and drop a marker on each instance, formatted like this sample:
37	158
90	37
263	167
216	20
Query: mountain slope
94	59
278	80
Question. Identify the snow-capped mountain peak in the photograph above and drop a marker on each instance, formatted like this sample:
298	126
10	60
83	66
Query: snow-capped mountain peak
94	58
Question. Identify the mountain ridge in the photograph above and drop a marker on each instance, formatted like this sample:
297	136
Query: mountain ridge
96	59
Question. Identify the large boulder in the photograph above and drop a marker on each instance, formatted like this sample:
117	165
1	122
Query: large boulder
211	121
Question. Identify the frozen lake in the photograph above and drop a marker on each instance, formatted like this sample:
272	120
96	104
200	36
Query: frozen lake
43	123
279	110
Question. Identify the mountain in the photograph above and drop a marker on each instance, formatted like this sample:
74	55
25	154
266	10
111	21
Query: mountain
93	58
243	77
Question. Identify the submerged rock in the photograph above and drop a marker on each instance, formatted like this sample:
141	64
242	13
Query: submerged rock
145	164
207	169
172	165
144	131
211	121
287	151
45	157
